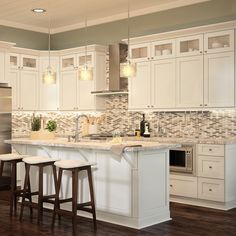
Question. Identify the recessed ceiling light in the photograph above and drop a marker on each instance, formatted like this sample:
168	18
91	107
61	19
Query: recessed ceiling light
38	10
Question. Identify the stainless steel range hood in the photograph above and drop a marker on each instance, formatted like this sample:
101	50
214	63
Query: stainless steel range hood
117	84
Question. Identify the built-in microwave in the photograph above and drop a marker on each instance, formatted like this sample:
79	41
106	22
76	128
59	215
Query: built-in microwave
182	159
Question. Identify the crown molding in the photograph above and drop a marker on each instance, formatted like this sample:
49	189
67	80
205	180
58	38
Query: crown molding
143	11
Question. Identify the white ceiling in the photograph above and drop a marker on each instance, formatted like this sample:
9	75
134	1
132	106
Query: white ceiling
70	14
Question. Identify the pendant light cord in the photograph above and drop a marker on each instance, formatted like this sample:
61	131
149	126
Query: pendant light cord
86	34
49	36
128	19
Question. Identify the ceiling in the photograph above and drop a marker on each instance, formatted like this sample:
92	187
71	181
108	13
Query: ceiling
70	14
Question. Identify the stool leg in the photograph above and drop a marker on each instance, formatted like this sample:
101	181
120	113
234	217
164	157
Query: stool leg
13	188
30	198
90	179
27	169
74	200
40	197
57	203
1	168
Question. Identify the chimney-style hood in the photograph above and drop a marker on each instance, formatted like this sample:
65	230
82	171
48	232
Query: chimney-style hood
117	85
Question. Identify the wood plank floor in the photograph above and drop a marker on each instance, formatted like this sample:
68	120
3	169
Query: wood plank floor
187	220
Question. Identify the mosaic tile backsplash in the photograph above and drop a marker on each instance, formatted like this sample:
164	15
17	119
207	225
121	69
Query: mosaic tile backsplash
116	117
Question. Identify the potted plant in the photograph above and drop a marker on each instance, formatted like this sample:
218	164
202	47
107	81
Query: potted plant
51	127
35	127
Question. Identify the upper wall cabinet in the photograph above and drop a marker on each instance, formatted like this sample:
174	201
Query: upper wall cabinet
68	62
49	93
222	41
190	45
76	94
140	52
2	67
23	62
163	49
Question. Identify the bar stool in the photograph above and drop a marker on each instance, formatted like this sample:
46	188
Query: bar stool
9	183
39	162
75	166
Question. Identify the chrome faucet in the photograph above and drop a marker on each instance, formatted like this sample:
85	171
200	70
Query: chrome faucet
77	126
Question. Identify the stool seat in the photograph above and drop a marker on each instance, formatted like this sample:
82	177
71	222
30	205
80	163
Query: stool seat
11	157
37	160
70	164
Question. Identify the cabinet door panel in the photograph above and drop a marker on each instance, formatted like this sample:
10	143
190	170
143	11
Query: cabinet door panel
219	80
2	67
139	87
14	83
68	90
190	81
49	99
163	76
29	90
86	100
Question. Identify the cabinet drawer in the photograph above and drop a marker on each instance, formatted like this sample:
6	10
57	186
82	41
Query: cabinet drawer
210	149
183	186
211	189
210	167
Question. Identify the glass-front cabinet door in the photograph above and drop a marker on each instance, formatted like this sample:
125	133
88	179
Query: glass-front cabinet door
163	49
222	41
140	52
190	45
68	62
14	61
29	62
82	59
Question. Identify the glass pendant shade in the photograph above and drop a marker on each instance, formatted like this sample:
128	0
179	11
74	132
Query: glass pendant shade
49	77
86	73
128	69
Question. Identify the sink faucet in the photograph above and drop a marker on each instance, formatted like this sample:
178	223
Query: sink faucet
77	126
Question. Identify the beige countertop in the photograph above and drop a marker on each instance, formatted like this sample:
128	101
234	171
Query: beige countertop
146	145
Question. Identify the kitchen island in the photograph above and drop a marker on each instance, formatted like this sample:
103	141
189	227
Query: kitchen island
131	188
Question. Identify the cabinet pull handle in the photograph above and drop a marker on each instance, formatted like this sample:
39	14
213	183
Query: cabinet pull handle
148	106
171	185
210	190
200	51
210	167
205	105
200	105
205	51
210	149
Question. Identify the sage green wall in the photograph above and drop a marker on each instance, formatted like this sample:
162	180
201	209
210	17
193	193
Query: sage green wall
24	38
205	13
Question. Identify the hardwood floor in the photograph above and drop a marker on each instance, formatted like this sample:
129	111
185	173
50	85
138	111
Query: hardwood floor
187	220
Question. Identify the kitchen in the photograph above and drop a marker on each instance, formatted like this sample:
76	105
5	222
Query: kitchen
194	106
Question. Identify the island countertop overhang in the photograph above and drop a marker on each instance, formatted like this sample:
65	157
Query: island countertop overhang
94	145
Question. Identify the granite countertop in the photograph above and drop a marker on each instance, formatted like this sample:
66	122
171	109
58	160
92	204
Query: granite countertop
97	145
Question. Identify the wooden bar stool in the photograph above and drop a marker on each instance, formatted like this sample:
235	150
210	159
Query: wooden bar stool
39	162
75	166
9	183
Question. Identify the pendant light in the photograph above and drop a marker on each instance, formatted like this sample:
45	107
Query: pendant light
128	69
86	71
49	76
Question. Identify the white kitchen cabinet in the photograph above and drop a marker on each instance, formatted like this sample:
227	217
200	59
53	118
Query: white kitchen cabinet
220	41
183	185
68	90
68	62
189	82
23	78
219	82
153	86
211	189
163	77
189	45
76	94
49	93
140	52
163	49
2	67
140	86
